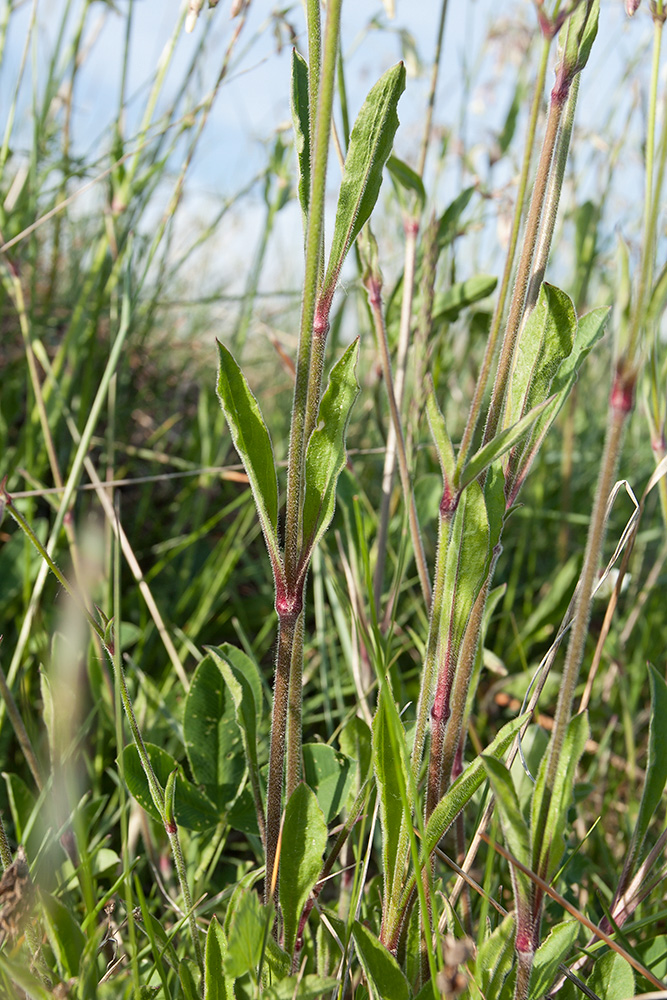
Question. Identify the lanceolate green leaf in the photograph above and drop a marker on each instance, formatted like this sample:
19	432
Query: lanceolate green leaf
440	435
547	830
449	223
389	773
370	145
325	456
589	329
460	793
467	784
466	562
494	960
252	442
383	973
579	33
500	444
301	123
405	177
553	950
301	988
303	843
449	304
545	341
515	830
216	985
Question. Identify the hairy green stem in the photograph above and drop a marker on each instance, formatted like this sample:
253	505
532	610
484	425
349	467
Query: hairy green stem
179	862
286	631
459	693
530	238
552	200
575	650
310	356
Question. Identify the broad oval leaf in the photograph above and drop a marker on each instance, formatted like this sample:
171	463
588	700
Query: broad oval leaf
612	977
244	684
304	841
545	341
246	933
193	809
370	145
213	740
253	444
325	455
330	775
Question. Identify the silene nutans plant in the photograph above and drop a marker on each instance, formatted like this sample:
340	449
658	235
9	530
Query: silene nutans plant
339	670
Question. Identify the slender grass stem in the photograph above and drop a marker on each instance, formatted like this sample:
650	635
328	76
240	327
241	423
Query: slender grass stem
410	259
70	486
499	310
374	288
430	106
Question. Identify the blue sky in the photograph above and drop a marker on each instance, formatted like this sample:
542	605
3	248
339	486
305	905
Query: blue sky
481	60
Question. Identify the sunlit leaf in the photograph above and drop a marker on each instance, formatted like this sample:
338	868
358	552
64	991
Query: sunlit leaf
304	840
325	456
383	972
216	984
301	124
371	140
193	809
253	444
